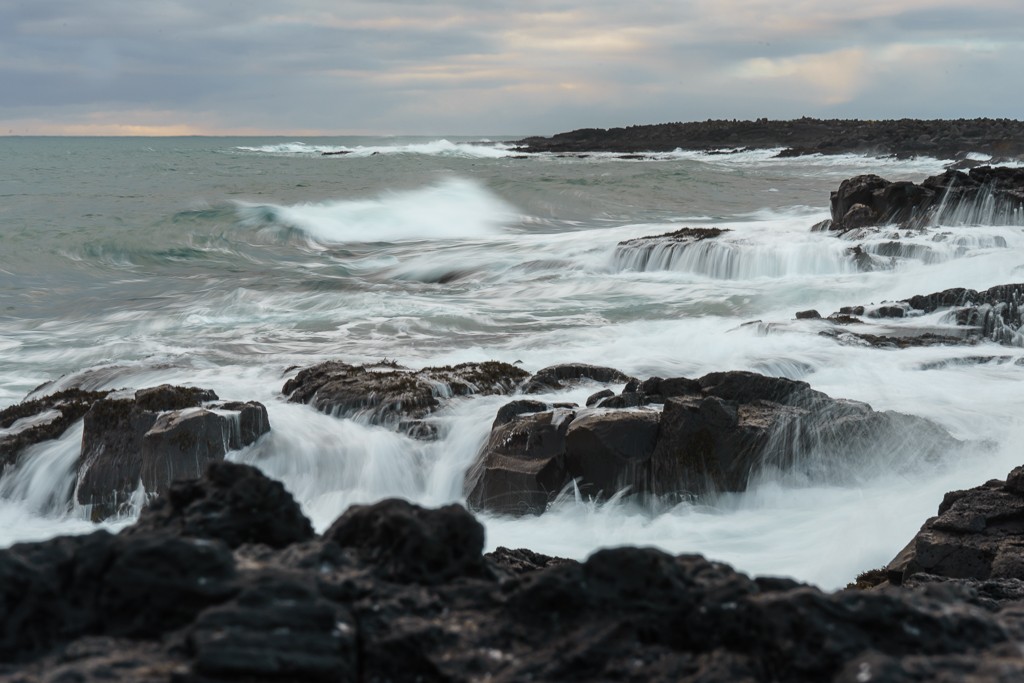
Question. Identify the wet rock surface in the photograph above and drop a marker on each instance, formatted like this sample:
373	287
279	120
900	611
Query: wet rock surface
983	195
394	592
158	436
393	395
712	434
945	139
41	419
971	316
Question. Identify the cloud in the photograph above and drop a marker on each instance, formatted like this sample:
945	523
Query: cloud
519	67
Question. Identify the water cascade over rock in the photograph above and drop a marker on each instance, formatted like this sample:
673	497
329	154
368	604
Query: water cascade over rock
713	434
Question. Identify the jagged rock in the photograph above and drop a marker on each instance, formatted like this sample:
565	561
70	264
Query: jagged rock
553	378
713	435
233	503
392	395
396	592
510	411
978	534
992	196
41	419
407	543
995	314
808	315
160	435
522	466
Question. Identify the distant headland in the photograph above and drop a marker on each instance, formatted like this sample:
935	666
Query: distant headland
947	139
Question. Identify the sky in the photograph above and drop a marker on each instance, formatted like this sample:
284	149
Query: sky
486	67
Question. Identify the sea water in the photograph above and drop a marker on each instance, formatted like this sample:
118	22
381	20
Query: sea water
226	263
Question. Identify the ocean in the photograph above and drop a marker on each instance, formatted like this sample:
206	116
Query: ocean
227	263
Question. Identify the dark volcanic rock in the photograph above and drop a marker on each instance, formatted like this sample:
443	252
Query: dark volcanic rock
396	592
994	314
162	434
522	466
978	534
983	195
393	395
407	543
714	434
554	377
41	419
904	137
233	503
659	252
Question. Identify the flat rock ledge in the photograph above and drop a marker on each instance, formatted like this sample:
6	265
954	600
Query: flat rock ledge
208	587
970	316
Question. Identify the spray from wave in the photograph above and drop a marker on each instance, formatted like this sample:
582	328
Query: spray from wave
452	209
442	148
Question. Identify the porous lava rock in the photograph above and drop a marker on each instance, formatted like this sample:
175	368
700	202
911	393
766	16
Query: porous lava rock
393	395
396	592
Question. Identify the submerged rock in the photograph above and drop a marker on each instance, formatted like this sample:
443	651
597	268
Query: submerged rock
660	252
555	377
394	591
160	435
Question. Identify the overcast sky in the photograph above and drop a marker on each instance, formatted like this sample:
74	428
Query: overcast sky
479	67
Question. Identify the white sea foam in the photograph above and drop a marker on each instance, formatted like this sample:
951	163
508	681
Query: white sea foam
442	147
452	209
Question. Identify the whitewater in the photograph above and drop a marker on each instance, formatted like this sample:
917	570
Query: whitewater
228	263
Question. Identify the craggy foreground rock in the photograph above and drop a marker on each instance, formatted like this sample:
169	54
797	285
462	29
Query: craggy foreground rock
42	419
399	593
159	435
713	434
978	534
393	395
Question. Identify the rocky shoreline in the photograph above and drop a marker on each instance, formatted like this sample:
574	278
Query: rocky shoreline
223	578
1003	139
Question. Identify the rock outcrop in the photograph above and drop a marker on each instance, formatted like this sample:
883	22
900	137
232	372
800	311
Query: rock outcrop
42	419
978	534
395	396
994	315
660	252
159	435
713	434
945	139
394	592
982	195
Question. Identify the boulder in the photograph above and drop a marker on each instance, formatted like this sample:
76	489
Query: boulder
232	503
521	468
392	395
608	451
714	434
406	543
160	435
